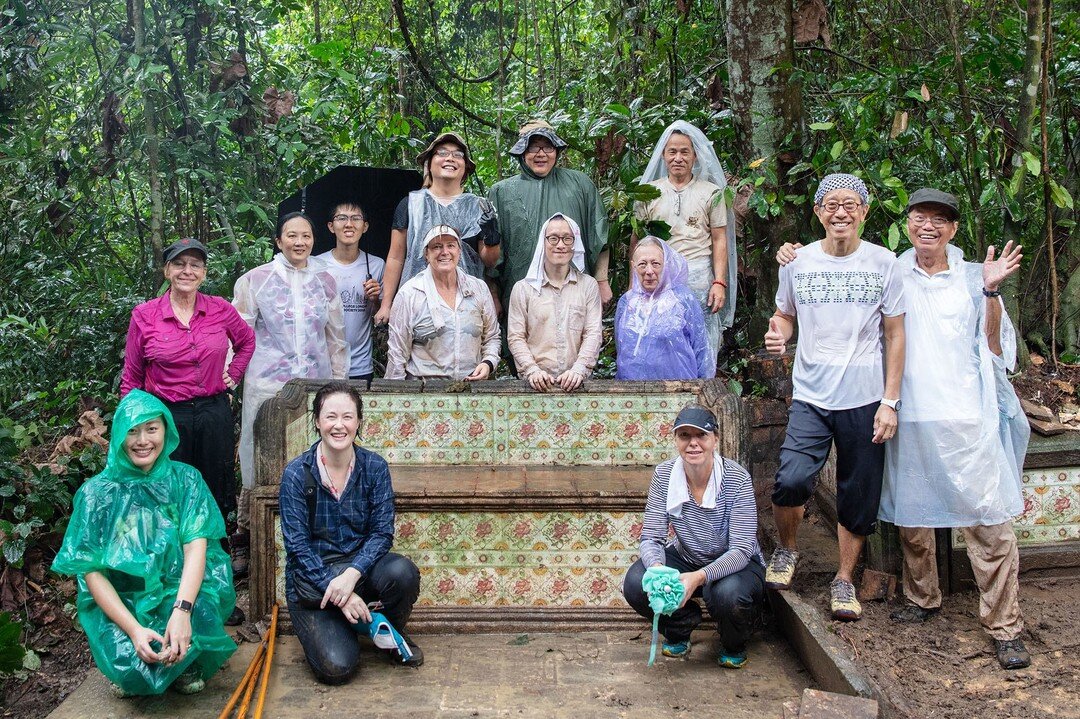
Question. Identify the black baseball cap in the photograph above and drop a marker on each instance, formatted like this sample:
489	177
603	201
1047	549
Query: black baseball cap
930	196
188	243
697	417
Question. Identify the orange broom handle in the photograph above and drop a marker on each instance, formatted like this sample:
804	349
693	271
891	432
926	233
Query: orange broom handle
251	669
266	665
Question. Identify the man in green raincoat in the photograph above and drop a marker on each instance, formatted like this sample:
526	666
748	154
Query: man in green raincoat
155	586
526	201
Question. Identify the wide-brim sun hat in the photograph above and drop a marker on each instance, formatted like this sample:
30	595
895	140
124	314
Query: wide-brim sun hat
424	157
536	128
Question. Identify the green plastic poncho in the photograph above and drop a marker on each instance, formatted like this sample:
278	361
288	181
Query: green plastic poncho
525	202
132	526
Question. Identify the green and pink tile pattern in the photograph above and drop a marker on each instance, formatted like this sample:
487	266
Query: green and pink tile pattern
576	429
1051	507
533	559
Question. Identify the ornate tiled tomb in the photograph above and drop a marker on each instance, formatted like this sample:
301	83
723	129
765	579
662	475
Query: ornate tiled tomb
521	509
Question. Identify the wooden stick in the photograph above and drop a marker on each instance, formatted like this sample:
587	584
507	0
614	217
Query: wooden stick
266	664
248	674
241	713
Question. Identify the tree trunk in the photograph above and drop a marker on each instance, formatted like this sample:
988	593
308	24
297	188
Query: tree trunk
153	155
768	114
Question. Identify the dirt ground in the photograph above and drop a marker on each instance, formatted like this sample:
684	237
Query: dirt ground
1042	384
946	668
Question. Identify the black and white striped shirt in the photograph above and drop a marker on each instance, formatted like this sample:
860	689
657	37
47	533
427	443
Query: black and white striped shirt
720	541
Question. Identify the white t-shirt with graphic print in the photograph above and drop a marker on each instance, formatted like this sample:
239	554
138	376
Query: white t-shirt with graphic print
359	310
839	303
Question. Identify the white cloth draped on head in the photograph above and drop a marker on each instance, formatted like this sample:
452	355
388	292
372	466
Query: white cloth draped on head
535	276
706	167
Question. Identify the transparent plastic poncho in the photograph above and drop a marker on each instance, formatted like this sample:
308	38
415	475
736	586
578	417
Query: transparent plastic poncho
131	526
299	328
959	449
660	335
706	167
465	214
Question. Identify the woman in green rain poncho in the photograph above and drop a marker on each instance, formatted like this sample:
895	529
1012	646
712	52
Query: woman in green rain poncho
155	585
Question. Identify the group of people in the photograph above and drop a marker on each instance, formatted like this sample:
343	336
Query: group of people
147	538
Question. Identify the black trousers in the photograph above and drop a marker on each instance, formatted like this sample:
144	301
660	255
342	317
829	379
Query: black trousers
734	601
330	641
206	430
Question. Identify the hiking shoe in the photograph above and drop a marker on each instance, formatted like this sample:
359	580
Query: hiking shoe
236	618
781	570
239	544
732	660
1012	654
913	613
676	650
844	604
189	681
119	692
417	658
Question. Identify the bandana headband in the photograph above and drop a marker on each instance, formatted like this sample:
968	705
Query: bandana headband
841	181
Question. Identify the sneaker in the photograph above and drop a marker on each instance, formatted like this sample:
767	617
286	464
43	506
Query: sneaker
1012	654
732	660
844	604
781	570
236	618
119	692
913	613
676	650
417	658
189	682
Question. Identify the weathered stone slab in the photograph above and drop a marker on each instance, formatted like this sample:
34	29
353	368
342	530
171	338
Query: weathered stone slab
827	705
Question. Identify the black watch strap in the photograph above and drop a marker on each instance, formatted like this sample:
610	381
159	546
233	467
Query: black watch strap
991	293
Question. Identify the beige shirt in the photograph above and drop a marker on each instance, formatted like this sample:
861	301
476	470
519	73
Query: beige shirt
692	213
555	329
449	345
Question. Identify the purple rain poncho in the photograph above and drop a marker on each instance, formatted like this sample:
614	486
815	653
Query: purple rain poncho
661	335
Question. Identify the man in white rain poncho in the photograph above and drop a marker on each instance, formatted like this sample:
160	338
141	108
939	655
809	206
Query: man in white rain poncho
959	449
293	305
685	169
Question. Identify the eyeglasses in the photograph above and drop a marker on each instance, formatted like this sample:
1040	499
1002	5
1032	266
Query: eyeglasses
833	205
555	240
456	154
937	220
540	150
346	218
176	264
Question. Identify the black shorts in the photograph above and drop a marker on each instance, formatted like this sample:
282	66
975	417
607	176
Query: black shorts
811	431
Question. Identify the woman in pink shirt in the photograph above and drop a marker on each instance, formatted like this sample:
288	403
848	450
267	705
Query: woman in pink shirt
177	346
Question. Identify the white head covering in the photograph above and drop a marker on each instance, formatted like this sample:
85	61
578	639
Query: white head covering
438	231
535	276
706	167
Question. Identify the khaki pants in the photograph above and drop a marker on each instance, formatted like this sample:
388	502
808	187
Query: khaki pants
995	560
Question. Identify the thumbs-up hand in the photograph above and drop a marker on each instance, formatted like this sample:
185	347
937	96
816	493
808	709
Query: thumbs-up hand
775	341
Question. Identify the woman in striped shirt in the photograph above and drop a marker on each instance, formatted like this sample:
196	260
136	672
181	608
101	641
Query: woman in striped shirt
708	501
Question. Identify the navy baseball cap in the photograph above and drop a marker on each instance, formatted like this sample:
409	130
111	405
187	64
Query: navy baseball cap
697	417
188	243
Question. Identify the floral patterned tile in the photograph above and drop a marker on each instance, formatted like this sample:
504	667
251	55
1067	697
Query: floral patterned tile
1051	507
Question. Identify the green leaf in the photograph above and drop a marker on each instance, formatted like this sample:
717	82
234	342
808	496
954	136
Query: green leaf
1014	184
822	126
885	168
837	149
987	195
643	193
735	386
1034	166
617	109
1060	196
893	240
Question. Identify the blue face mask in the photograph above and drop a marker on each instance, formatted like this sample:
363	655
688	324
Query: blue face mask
665	596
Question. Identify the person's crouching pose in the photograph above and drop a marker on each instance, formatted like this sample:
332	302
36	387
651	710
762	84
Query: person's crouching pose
337	519
708	501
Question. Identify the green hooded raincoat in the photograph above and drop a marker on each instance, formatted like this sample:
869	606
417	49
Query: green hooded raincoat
131	526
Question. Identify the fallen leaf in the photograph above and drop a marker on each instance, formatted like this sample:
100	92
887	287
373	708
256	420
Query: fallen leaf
1037	360
1066	387
925	92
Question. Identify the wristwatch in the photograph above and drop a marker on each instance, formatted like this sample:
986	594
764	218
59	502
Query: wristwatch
893	404
183	605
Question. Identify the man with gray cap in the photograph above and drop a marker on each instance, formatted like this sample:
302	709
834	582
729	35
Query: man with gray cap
526	201
847	296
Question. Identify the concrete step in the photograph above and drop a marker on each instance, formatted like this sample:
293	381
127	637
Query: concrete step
595	675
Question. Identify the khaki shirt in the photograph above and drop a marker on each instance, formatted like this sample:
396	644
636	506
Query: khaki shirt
692	213
555	329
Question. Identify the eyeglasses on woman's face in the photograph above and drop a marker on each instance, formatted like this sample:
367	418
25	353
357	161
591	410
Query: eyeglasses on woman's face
196	265
444	153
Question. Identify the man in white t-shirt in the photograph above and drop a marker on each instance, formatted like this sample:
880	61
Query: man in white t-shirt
359	282
848	297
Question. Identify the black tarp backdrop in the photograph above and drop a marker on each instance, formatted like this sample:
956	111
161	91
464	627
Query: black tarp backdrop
377	189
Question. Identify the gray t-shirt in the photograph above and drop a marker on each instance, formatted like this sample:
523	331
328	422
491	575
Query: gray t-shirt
350	280
839	303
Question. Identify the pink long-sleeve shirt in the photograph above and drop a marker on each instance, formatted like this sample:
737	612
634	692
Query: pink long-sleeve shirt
177	362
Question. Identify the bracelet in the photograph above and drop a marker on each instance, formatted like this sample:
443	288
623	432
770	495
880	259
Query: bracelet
598	280
991	293
721	283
